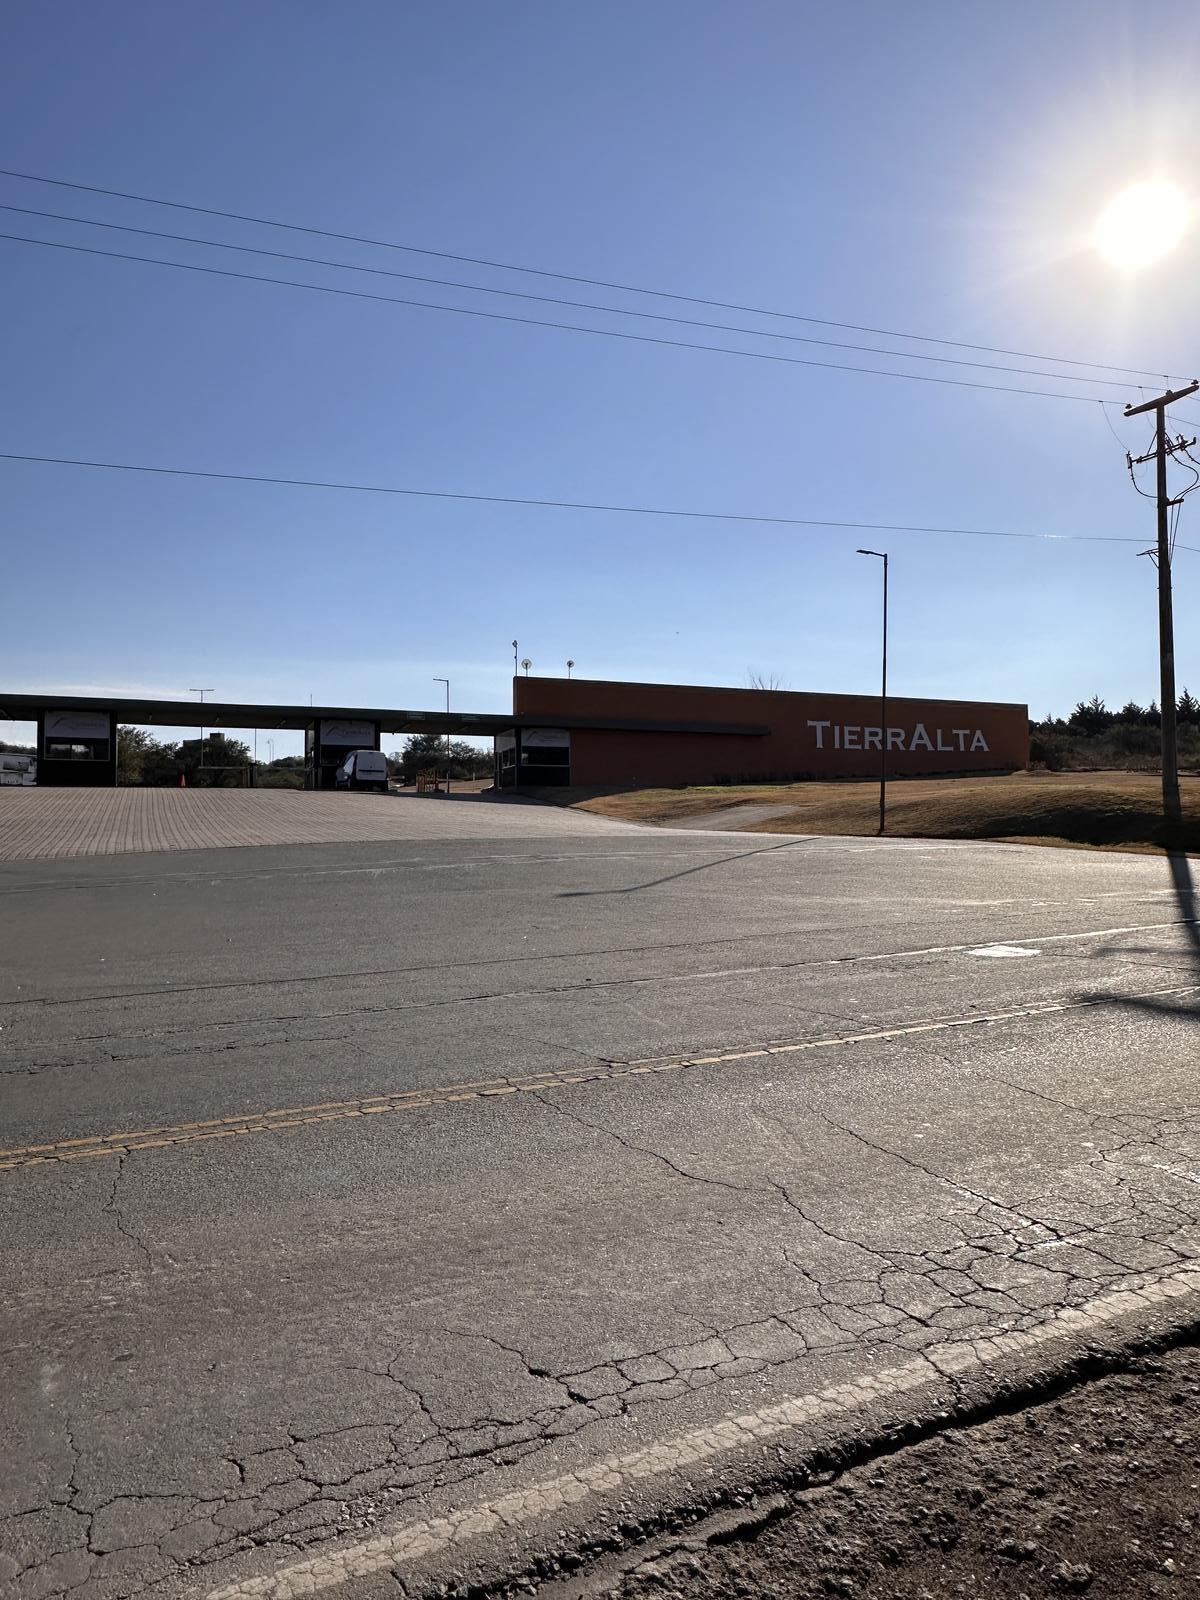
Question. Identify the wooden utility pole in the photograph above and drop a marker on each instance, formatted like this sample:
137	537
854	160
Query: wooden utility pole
1163	447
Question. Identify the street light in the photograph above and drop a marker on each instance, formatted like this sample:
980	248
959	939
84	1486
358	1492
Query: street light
881	555
201	693
514	658
446	681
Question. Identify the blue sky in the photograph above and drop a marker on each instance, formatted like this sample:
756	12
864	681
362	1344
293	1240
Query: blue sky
926	167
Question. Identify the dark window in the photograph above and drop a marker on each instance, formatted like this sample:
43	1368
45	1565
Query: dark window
76	749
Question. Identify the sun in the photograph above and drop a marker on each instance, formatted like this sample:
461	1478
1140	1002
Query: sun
1142	224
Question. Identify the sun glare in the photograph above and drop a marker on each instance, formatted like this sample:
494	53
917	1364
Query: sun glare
1142	224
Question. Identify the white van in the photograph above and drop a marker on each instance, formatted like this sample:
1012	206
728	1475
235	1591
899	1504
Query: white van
363	769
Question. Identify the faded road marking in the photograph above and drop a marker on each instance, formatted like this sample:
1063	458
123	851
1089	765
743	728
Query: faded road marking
419	1540
1004	950
91	1146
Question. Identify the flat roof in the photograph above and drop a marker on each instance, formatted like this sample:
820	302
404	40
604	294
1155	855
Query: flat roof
147	712
780	693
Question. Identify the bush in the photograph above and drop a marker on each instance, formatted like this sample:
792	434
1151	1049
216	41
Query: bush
1121	746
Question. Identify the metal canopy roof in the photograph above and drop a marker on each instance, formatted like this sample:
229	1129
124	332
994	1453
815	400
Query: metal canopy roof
228	714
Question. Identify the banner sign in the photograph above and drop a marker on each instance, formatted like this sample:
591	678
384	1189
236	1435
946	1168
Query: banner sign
65	725
355	735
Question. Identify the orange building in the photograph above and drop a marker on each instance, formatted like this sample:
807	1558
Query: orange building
668	734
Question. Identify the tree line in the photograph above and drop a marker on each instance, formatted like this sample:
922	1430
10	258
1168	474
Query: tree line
1095	737
214	761
428	752
1091	717
223	762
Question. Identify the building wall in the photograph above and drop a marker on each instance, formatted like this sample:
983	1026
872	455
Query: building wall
810	735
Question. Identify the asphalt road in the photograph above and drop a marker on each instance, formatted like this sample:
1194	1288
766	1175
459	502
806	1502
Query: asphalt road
349	1184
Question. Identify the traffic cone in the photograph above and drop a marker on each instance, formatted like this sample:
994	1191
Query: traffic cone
183	780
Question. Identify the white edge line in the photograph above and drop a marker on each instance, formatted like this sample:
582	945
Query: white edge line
419	1540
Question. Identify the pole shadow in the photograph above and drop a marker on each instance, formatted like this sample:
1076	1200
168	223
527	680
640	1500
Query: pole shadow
670	877
1187	903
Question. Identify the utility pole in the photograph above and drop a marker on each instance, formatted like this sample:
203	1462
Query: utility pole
883	738
1163	447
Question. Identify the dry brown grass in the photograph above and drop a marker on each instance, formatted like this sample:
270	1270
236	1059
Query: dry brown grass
1099	809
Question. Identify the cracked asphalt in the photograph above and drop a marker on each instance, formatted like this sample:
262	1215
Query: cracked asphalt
345	1185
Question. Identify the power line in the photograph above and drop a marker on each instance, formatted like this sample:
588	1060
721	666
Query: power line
1104	404
570	505
567	277
557	300
542	322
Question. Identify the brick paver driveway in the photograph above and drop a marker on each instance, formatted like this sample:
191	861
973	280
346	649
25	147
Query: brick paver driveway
47	823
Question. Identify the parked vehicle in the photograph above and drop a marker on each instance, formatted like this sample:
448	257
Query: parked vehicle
363	769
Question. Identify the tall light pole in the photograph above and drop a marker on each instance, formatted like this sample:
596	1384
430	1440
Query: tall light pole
514	658
1163	447
201	693
881	555
446	681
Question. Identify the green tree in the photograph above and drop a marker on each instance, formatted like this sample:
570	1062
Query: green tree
287	772
1132	712
1187	709
134	746
215	761
427	751
1090	717
421	751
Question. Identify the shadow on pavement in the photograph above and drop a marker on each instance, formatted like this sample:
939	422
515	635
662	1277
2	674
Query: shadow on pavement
1185	897
705	866
1188	905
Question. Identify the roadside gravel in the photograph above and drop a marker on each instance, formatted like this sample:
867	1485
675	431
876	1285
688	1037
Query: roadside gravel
1097	1493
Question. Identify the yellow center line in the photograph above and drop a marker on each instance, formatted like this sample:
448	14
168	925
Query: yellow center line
91	1146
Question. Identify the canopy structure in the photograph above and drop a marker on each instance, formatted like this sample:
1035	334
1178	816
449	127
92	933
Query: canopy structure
215	714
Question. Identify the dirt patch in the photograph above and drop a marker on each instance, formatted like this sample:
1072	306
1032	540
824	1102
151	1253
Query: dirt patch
1095	1493
1105	809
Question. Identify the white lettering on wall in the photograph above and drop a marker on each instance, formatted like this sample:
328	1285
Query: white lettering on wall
852	736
